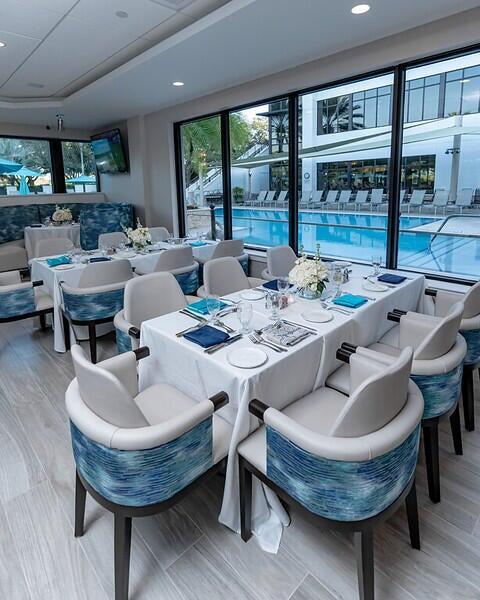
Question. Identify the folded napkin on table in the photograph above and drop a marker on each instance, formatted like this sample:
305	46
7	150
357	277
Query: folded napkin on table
272	285
201	308
196	244
58	260
207	336
350	300
391	278
99	259
285	334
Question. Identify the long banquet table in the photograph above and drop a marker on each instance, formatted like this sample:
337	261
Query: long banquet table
52	277
281	380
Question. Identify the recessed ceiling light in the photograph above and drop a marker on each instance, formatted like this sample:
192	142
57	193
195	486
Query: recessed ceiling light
177	83
360	9
36	85
2	44
121	14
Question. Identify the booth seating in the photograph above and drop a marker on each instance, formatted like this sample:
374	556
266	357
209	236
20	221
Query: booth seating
96	300
225	276
138	453
179	261
22	300
145	298
95	218
348	460
470	329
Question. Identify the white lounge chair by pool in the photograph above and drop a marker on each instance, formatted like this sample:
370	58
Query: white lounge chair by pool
361	199
463	200
416	200
331	198
376	198
440	200
344	198
269	198
259	200
317	198
281	200
304	200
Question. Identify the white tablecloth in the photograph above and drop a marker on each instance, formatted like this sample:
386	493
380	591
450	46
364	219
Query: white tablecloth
284	378
34	234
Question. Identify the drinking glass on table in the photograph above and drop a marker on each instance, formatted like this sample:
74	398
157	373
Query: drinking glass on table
272	303
337	279
245	314
283	285
213	307
376	264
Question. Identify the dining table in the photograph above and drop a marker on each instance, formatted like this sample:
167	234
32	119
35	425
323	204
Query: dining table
52	276
282	379
33	235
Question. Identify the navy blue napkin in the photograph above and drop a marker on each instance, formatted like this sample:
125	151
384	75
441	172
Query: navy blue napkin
391	278
36	225
272	285
207	336
99	259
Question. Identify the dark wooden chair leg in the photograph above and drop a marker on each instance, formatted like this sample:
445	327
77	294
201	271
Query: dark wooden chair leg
468	399
430	441
456	431
80	498
412	516
365	566
66	333
92	338
122	541
43	321
245	500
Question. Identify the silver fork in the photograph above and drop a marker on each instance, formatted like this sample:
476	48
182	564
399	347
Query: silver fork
258	340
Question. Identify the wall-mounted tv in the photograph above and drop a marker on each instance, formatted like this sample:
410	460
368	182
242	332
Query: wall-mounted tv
109	153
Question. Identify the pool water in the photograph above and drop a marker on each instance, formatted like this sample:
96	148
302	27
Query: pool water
359	236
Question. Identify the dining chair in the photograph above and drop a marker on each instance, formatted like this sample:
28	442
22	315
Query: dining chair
96	300
439	352
280	261
159	234
347	460
224	276
22	300
224	248
178	261
137	453
442	301
112	240
145	298
53	246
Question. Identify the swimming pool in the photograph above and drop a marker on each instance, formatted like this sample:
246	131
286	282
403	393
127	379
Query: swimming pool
359	236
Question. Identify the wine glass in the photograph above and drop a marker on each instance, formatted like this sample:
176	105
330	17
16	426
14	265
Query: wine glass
272	303
337	278
244	315
376	263
283	285
213	307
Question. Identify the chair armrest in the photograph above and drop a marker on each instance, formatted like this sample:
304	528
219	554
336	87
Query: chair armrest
430	292
134	332
219	400
394	316
345	352
257	408
142	352
37	283
124	367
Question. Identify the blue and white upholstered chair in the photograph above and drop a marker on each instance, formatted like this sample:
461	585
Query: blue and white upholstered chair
470	329
96	300
439	352
280	261
179	262
22	300
348	460
137	454
224	276
145	298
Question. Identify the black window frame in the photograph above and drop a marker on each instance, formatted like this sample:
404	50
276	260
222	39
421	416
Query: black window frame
56	160
398	97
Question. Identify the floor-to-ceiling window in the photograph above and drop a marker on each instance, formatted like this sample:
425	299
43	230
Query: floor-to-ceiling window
441	135
343	176
259	137
25	167
79	167
202	176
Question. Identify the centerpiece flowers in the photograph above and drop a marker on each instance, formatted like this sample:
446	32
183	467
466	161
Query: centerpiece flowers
62	216
310	275
139	237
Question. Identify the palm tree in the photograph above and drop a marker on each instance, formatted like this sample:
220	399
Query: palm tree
338	120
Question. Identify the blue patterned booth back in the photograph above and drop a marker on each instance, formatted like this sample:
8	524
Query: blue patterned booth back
341	490
14	219
440	392
103	218
472	338
47	210
92	306
144	477
188	281
244	263
124	341
15	303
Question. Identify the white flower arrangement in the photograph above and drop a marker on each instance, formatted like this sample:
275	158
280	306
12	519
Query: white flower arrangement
139	237
309	274
62	215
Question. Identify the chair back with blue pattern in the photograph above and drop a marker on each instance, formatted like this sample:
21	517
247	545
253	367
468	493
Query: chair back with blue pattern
179	261
93	303
16	299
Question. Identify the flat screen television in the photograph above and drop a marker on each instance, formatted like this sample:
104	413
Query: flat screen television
109	153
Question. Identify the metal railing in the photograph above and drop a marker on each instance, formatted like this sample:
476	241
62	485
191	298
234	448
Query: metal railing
445	221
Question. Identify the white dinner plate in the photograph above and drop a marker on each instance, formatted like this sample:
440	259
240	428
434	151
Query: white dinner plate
343	264
373	286
64	267
252	295
126	254
317	316
247	358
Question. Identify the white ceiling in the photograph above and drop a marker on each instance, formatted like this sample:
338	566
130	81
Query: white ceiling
81	53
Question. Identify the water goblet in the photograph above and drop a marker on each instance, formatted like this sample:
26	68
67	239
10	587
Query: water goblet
283	285
376	263
337	279
213	307
272	303
244	315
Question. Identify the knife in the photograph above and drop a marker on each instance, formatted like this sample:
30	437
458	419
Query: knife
230	340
